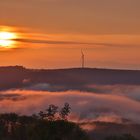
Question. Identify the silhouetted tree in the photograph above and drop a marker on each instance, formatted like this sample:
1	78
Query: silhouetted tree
42	115
65	111
45	126
51	112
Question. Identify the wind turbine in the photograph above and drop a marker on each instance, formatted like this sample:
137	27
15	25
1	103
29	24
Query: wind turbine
82	59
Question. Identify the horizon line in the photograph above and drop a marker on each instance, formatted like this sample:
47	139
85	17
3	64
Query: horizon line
66	68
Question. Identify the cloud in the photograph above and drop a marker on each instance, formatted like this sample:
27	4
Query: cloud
46	87
130	91
46	41
39	41
12	97
113	106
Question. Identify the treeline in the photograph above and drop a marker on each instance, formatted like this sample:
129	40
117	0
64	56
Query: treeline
51	124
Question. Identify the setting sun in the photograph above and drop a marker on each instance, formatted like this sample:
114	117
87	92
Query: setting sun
6	39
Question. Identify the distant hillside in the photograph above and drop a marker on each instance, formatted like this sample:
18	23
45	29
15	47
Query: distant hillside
101	130
18	76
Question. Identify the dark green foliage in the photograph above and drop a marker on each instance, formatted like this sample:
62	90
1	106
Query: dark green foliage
122	137
44	126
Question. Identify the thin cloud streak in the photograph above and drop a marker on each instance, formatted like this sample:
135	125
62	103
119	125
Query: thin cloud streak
47	41
37	41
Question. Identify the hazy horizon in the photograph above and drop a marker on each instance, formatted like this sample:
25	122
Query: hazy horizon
51	33
63	68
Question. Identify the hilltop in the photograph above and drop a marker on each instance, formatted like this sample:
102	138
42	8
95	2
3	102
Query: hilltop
18	76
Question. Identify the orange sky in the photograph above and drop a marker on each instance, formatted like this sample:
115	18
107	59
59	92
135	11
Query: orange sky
51	33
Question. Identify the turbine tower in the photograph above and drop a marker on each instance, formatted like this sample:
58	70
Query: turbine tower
82	59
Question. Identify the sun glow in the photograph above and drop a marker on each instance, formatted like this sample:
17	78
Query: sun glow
6	39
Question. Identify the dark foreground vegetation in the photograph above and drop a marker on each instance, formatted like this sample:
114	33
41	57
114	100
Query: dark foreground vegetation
122	137
47	125
51	124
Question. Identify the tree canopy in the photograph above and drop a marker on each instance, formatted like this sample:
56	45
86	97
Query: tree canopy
47	125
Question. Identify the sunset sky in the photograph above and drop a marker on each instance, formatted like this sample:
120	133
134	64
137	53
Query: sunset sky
51	33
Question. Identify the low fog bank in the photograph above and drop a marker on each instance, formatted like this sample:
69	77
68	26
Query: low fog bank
101	110
110	103
130	91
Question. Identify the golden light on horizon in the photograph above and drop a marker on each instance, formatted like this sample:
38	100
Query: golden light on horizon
6	39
